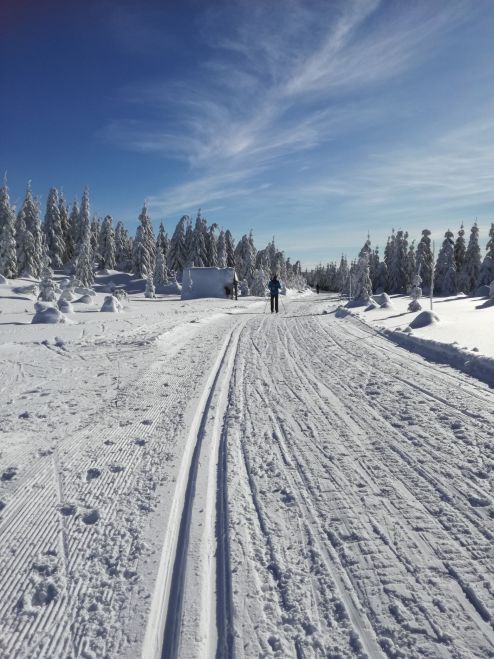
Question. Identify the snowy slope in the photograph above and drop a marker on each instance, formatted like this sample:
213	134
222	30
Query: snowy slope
202	479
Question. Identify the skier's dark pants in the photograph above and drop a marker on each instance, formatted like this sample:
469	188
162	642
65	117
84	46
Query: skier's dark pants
274	303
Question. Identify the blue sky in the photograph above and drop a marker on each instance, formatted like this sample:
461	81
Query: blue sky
315	121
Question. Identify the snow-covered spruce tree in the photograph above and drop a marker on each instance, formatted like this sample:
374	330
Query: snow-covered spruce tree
445	270
259	283
177	254
150	290
411	268
123	248
343	276
397	269
84	222
221	250
230	249
53	230
469	275
95	239
29	237
107	249
425	260
212	246
160	276
189	245
486	274
84	270
362	290
66	232
162	242
460	249
144	248
75	227
245	259
8	252
374	263
198	252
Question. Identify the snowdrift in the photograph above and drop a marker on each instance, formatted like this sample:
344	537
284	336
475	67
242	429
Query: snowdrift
207	282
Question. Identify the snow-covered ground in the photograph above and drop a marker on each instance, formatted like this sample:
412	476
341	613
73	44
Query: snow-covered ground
199	479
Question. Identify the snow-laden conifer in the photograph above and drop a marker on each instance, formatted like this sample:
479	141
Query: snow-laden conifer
75	228
486	274
469	275
198	253
230	249
212	246
29	242
8	252
66	232
84	269
460	249
160	275
221	250
107	249
362	289
144	247
83	228
424	260
162	242
123	248
445	270
53	230
47	288
259	283
177	255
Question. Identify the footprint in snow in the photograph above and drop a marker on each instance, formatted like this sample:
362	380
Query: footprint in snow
147	422
67	509
115	469
90	517
139	442
9	474
92	474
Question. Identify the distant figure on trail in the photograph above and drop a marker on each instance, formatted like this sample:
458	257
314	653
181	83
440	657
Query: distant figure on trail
274	288
317	289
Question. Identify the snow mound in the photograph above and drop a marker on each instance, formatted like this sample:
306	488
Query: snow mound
111	304
414	306
82	290
372	305
46	314
30	289
65	305
384	301
3	280
67	294
84	299
424	319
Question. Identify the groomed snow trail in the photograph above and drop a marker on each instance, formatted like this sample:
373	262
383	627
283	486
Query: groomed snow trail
249	485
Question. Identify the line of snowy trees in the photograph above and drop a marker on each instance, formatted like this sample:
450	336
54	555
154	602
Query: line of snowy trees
459	267
69	238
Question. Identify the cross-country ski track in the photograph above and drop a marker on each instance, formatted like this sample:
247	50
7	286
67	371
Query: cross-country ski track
245	485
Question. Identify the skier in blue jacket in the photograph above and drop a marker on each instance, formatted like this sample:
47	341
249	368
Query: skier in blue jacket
274	288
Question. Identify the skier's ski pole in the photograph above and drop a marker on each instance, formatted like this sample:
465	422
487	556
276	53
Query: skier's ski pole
283	304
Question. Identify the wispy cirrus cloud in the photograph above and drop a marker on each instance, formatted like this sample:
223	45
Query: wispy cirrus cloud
306	79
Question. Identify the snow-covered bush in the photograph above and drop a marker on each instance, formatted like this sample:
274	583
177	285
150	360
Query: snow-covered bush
68	294
3	280
111	304
150	290
416	294
84	290
424	319
47	314
120	294
65	305
48	289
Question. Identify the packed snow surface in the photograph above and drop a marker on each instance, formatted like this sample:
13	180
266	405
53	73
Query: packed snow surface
200	479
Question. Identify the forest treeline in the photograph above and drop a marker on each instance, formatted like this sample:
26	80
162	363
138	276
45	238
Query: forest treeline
69	238
458	268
